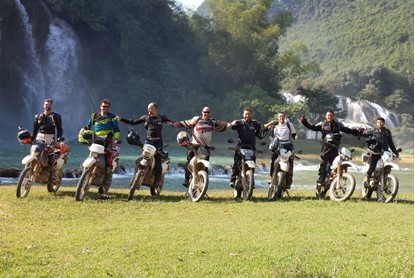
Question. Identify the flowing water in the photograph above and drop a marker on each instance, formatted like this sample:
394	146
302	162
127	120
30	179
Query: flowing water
305	171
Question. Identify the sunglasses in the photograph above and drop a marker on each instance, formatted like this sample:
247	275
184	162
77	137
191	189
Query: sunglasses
104	106
206	112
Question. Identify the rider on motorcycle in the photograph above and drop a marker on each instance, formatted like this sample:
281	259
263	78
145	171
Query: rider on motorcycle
331	137
248	129
104	125
44	126
282	131
153	122
379	140
201	135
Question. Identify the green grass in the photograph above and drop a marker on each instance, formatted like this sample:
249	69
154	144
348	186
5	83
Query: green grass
54	236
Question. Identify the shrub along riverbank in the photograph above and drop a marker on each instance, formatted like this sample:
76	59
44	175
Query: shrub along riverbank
48	235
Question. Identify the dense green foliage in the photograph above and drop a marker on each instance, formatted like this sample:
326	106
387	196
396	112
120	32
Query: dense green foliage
239	53
364	48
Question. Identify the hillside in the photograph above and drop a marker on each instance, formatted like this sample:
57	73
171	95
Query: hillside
347	36
365	49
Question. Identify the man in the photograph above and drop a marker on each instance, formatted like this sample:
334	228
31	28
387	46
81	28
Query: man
331	137
382	140
153	123
105	125
203	126
282	131
44	126
248	130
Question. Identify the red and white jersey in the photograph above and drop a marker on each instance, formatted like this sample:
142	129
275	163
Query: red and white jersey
202	130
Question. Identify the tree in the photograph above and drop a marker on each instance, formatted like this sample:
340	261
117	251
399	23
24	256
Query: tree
319	101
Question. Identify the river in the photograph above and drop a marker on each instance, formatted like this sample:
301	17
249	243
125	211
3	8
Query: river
305	171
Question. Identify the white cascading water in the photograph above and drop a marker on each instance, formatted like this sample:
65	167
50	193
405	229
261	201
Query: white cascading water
359	113
32	73
58	75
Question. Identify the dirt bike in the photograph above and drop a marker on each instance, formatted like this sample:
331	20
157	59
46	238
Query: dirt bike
94	168
339	182
382	181
38	169
245	183
145	169
278	184
199	169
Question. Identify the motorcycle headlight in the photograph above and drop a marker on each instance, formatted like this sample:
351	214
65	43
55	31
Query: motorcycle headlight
35	150
94	155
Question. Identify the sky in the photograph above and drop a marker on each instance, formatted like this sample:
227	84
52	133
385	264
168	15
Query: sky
193	4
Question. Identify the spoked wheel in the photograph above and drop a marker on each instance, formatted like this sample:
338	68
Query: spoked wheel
281	180
156	190
366	191
344	189
198	188
135	182
387	192
237	192
55	188
24	183
83	185
248	185
271	192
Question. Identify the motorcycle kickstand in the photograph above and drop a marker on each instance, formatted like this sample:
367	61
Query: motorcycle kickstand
207	196
288	194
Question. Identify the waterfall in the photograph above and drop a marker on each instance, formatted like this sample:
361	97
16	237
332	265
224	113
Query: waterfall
31	73
359	113
55	72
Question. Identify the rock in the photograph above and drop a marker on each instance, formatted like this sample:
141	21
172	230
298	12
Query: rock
9	172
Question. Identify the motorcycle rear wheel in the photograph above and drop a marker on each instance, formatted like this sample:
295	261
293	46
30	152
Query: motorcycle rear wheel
345	188
83	185
198	188
25	181
135	183
271	192
281	180
55	188
366	191
237	192
387	192
248	186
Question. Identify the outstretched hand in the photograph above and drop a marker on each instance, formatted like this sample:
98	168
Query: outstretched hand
302	119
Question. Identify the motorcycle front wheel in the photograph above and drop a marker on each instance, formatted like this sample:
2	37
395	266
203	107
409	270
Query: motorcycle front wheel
24	183
135	182
83	185
198	188
271	192
387	192
248	185
344	189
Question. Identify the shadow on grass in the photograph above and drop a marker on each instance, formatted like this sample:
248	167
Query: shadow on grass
143	195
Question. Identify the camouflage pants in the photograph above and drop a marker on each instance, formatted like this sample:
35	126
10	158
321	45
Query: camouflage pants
107	180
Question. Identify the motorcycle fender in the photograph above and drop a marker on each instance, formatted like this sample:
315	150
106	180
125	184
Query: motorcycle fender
284	166
393	166
164	167
250	164
205	164
335	163
89	162
28	158
350	164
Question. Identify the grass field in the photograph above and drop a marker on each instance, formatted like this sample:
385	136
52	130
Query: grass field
54	236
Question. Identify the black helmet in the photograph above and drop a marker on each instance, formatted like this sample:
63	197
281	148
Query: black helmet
133	138
24	137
